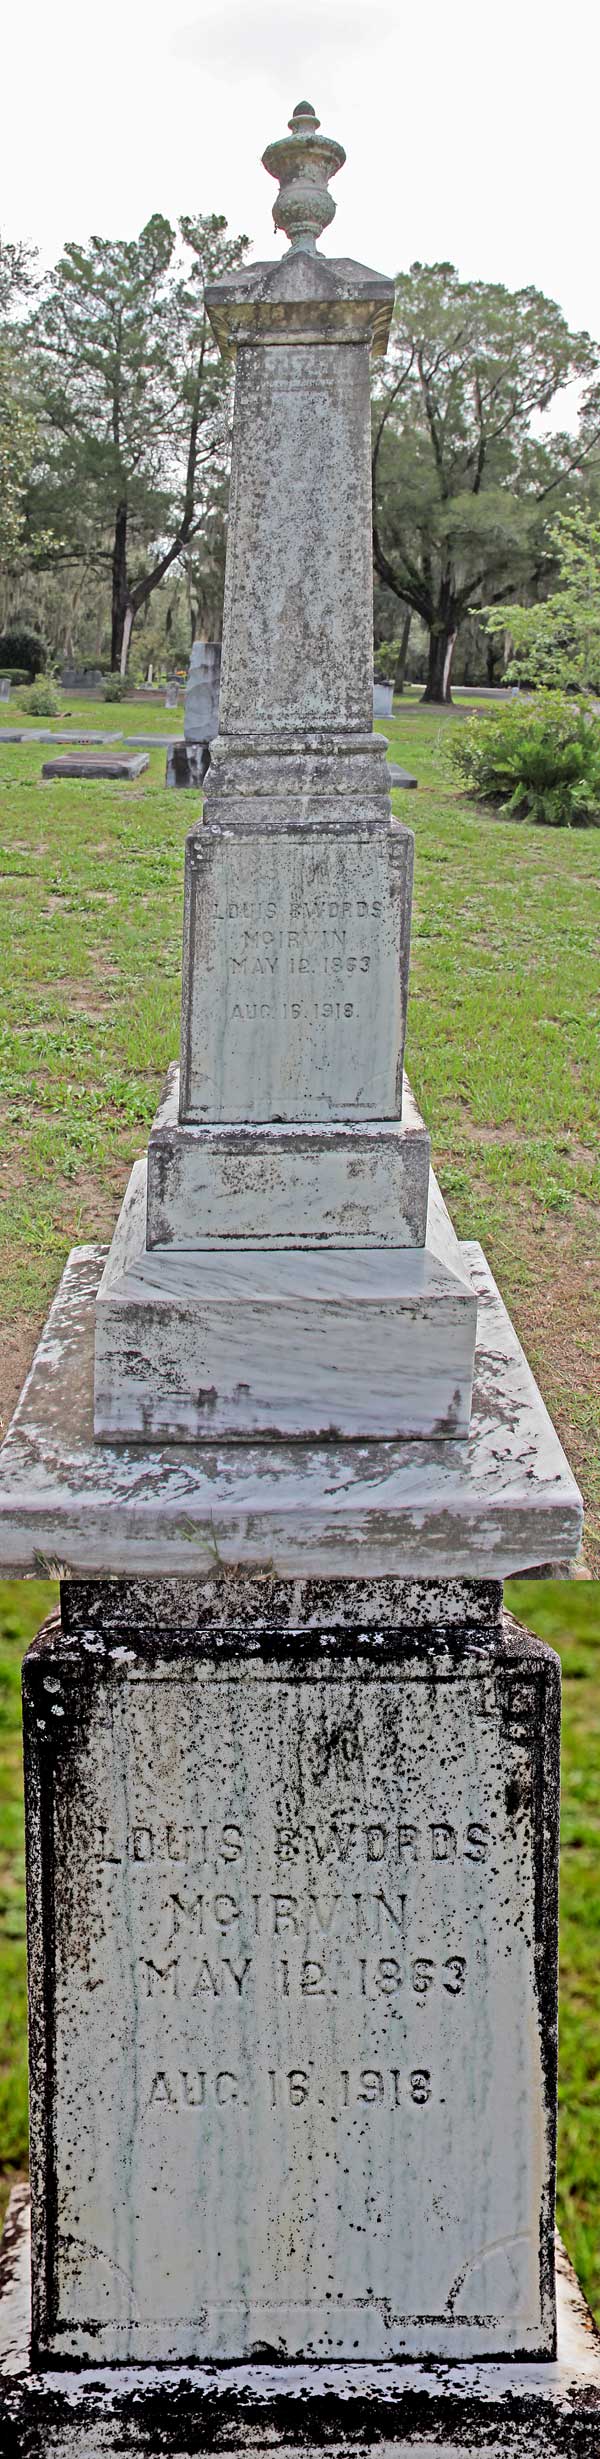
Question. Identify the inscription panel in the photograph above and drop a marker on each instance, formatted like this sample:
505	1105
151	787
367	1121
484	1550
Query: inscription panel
298	2096
295	975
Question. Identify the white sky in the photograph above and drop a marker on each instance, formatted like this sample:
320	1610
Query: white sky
471	131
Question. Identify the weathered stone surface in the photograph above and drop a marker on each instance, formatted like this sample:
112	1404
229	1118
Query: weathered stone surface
304	167
300	2002
218	1186
297	626
319	298
172	695
501	1502
186	764
295	974
510	2410
299	779
201	697
103	766
343	1342
378	1611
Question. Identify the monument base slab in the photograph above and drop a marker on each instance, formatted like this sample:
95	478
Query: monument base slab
504	1501
286	1185
339	1343
436	2411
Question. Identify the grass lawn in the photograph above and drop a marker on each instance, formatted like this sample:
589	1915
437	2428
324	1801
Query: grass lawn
568	1616
502	1041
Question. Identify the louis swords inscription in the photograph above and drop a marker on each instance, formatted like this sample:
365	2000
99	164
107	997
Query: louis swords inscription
298	965
280	1984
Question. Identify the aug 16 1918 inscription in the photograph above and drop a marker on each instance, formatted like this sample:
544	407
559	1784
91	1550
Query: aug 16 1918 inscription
285	2048
298	975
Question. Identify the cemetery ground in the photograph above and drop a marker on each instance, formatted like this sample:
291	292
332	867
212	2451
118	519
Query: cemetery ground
504	983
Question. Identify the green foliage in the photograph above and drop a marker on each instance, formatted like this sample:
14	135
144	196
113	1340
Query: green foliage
567	1616
557	642
134	404
17	426
460	483
536	759
116	687
23	1605
14	674
43	699
385	660
23	648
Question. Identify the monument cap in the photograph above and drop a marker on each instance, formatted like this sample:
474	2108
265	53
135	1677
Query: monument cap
304	163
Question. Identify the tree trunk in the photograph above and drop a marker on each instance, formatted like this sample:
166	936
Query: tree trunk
119	587
128	623
403	653
442	643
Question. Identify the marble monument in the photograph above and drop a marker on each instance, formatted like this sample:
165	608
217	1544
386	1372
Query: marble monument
291	1769
298	887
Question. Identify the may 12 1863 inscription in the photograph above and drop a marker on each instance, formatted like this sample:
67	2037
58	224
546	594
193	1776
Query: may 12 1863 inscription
298	952
286	1901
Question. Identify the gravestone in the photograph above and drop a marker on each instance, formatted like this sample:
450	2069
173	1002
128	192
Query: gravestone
5	688
81	678
96	764
383	699
305	1931
187	762
400	776
201	698
171	695
291	1771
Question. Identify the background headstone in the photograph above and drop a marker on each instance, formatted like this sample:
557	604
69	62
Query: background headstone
202	692
383	699
100	764
186	764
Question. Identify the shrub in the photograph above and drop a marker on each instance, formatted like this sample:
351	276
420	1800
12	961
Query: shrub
535	759
23	648
385	661
43	700
13	674
115	687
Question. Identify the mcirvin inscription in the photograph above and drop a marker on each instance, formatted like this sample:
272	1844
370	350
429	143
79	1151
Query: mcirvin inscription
296	966
295	1979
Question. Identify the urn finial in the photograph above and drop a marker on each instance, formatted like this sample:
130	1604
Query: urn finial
303	163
